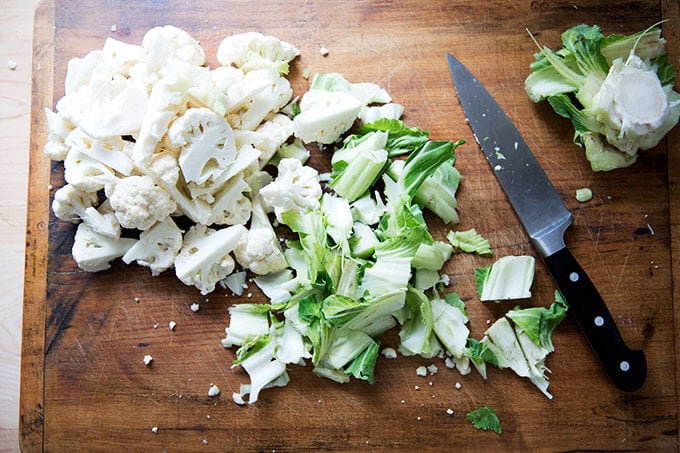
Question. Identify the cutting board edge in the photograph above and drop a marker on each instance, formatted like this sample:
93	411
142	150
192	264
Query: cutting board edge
31	400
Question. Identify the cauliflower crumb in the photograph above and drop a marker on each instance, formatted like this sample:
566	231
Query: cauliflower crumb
421	371
154	430
147	359
205	442
172	325
458	385
417	387
449	411
583	195
114	28
195	307
238	398
389	353
323	51
213	390
449	363
12	65
432	369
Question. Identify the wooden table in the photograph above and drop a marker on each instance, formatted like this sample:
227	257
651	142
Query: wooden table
84	386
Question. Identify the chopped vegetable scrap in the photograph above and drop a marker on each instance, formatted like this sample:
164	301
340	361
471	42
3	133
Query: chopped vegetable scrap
151	138
616	90
485	418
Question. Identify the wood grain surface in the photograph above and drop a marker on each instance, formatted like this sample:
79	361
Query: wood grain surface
85	388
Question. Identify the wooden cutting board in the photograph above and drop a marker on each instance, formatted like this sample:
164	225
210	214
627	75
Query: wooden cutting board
84	386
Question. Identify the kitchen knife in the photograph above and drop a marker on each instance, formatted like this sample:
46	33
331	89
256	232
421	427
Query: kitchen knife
545	218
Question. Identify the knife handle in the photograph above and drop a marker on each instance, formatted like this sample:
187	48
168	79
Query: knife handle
627	368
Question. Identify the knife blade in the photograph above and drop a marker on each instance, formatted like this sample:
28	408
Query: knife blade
545	219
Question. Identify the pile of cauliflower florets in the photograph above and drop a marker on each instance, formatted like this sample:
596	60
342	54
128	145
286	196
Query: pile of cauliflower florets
149	133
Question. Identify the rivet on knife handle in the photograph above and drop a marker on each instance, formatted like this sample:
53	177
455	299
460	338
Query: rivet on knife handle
626	367
545	218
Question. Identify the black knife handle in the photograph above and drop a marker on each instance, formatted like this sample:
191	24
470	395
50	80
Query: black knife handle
627	368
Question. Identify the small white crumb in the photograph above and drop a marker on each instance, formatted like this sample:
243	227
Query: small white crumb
154	430
250	295
449	411
488	321
449	363
12	65
137	299
432	369
445	279
419	418
389	353
147	359
155	326
306	73
195	307
208	416
114	28
421	371
430	384
50	187
238	398
458	385
583	195
417	387
403	402
323	51
172	325
213	390
205	442
498	168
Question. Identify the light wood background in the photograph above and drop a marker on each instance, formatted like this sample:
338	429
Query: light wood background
16	35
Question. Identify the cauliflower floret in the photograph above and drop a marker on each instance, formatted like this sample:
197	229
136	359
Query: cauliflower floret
252	50
138	202
205	142
121	55
267	138
157	247
73	205
93	252
59	128
259	94
205	257
85	173
231	206
210	88
296	187
259	249
114	152
169	41
325	115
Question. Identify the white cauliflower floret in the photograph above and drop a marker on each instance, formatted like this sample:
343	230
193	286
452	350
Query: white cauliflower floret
251	51
231	206
205	257
267	138
59	128
210	87
86	173
205	142
259	94
138	202
93	252
165	42
73	205
296	187
114	152
157	247
121	55
259	250
325	115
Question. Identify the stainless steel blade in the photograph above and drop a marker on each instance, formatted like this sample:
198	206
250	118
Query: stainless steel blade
537	203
